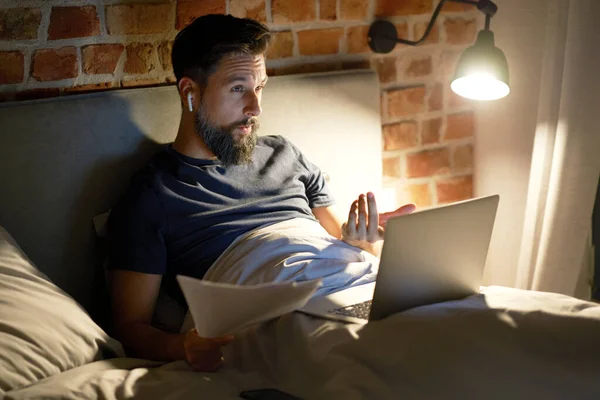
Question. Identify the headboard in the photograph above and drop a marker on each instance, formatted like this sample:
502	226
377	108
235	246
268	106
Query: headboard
65	160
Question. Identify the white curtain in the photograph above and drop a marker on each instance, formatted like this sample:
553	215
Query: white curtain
566	153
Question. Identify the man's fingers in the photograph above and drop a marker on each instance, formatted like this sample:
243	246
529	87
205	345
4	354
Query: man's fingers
207	364
351	224
373	216
362	217
405	209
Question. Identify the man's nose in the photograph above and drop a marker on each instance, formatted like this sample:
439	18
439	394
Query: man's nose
253	108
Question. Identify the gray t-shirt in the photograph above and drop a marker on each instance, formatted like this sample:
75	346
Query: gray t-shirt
180	213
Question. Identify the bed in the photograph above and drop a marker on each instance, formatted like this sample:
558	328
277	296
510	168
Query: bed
65	161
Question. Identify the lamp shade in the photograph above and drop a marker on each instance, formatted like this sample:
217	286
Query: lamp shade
482	70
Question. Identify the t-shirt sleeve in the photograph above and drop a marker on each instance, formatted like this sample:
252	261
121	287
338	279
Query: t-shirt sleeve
136	231
317	190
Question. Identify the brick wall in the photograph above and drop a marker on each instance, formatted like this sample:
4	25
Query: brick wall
59	47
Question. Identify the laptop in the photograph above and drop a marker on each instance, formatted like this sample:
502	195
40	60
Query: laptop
428	257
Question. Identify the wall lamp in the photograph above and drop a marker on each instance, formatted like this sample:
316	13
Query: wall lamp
482	70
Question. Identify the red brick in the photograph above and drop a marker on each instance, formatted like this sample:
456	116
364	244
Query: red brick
428	163
140	82
460	126
19	23
327	10
402	33
319	41
189	10
354	9
282	45
431	131
73	22
436	97
386	8
386	69
55	64
305	68
91	87
164	55
357	39
34	94
419	30
133	19
418	194
12	67
460	30
448	64
417	66
285	11
463	157
401	136
403	102
391	167
141	58
254	9
101	58
454	189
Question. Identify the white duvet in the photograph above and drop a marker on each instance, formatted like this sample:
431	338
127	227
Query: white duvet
501	344
295	250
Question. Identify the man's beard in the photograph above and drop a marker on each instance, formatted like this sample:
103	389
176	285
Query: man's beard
222	142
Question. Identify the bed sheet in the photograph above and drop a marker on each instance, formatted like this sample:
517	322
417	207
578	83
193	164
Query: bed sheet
502	343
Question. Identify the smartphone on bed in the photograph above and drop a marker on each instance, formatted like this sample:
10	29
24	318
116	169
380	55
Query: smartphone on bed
267	394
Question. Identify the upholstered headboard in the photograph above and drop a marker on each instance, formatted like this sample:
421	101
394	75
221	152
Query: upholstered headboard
65	160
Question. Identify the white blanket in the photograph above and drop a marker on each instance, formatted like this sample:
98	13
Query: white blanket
501	344
295	250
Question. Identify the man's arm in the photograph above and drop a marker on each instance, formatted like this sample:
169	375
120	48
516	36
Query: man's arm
329	220
134	296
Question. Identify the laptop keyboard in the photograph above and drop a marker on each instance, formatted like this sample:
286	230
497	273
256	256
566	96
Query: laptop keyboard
359	310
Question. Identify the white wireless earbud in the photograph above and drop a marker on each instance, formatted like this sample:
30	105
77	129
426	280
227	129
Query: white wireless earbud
189	97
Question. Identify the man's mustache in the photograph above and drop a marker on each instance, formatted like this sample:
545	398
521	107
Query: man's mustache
253	122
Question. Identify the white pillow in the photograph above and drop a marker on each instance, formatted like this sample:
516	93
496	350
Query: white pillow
43	331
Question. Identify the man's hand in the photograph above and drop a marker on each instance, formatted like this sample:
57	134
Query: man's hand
405	209
204	355
362	230
365	229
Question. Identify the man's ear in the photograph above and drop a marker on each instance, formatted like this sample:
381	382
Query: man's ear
189	92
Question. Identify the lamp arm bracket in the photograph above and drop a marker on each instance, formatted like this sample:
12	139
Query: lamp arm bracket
485	6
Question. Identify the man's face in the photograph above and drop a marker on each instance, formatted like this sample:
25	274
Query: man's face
227	119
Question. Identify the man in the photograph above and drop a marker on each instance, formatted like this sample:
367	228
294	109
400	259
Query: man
217	181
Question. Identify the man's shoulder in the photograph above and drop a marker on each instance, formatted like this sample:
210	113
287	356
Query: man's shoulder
274	141
279	145
148	180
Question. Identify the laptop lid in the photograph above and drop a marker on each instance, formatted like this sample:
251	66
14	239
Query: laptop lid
433	255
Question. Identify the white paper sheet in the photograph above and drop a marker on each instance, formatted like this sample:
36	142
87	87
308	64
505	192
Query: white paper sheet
220	309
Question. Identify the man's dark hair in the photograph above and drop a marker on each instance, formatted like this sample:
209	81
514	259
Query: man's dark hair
200	46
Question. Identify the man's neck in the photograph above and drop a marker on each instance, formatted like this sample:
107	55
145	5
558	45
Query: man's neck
189	143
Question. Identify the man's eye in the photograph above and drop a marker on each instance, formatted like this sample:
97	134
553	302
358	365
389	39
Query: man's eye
237	89
260	87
